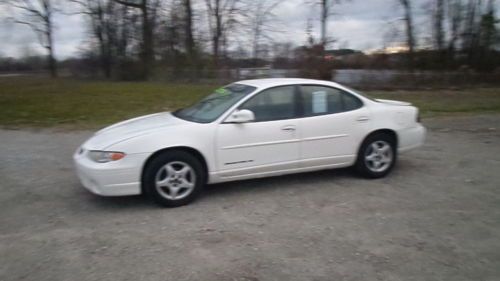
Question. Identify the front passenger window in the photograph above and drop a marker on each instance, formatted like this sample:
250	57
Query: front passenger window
272	104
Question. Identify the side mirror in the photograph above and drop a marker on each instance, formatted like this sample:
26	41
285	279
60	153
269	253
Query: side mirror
240	116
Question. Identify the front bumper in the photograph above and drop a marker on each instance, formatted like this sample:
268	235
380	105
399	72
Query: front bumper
115	178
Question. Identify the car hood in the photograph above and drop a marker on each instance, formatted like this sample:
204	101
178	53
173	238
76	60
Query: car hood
393	102
131	128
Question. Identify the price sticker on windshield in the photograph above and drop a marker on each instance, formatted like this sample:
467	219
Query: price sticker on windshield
222	92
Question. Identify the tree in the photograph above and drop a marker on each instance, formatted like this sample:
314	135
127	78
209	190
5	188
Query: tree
455	19
188	28
326	11
38	15
222	17
261	14
488	34
410	35
439	33
103	26
148	10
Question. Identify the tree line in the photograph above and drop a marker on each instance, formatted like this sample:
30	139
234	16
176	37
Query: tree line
462	32
136	37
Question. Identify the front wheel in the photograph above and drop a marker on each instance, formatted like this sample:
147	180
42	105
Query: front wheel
174	178
377	156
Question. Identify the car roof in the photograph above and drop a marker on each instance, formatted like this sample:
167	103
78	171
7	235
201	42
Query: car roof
272	82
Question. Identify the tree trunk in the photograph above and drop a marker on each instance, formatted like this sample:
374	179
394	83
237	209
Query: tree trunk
438	25
99	32
52	63
189	28
217	34
147	40
410	39
147	52
455	21
255	46
50	48
324	18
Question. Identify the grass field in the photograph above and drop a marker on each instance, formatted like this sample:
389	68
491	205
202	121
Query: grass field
38	102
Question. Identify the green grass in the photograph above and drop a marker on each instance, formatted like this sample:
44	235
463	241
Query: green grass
38	102
448	102
88	104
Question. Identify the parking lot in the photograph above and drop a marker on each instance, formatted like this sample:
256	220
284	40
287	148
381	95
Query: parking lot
436	217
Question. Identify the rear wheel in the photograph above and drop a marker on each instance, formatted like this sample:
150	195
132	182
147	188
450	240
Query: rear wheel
377	156
174	178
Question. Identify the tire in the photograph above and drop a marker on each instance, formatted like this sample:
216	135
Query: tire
174	178
376	156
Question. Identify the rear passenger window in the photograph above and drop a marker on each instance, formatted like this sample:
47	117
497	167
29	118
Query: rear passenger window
320	100
351	102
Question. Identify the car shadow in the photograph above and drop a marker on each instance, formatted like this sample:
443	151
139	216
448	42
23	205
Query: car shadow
119	202
302	180
258	185
292	181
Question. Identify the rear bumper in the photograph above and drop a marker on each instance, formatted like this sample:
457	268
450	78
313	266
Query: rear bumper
411	138
113	178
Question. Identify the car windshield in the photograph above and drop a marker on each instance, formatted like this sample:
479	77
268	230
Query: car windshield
214	105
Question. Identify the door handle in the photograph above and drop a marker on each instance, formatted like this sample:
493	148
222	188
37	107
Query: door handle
362	119
289	128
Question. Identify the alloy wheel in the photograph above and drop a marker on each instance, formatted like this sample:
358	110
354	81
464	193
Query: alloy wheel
379	156
175	181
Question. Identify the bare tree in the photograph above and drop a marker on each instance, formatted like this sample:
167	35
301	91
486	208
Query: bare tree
439	34
222	17
261	15
148	9
488	36
471	30
188	28
326	11
455	19
38	15
103	26
410	35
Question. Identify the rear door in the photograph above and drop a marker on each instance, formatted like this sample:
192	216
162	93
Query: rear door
333	125
267	145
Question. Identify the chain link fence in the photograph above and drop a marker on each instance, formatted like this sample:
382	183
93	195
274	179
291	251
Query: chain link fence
357	78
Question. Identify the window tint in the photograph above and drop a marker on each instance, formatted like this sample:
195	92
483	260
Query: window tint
351	102
319	100
273	104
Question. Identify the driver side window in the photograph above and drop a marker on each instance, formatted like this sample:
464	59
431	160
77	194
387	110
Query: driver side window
273	104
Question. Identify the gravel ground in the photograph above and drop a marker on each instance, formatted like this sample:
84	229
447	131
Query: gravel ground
436	217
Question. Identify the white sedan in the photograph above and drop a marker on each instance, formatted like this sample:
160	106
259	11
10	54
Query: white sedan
248	129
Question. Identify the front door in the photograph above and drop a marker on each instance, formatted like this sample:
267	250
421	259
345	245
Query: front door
265	146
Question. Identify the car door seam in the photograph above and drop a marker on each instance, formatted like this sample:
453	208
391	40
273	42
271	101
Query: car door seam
325	137
260	144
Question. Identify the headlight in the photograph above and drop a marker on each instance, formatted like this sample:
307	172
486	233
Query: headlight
105	156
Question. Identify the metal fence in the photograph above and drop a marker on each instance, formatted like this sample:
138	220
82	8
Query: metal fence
357	78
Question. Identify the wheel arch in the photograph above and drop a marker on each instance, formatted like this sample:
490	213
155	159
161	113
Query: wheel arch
196	153
385	131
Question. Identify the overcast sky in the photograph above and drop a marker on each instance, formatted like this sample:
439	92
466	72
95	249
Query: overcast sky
357	24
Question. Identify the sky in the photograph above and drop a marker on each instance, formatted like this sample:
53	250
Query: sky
356	24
